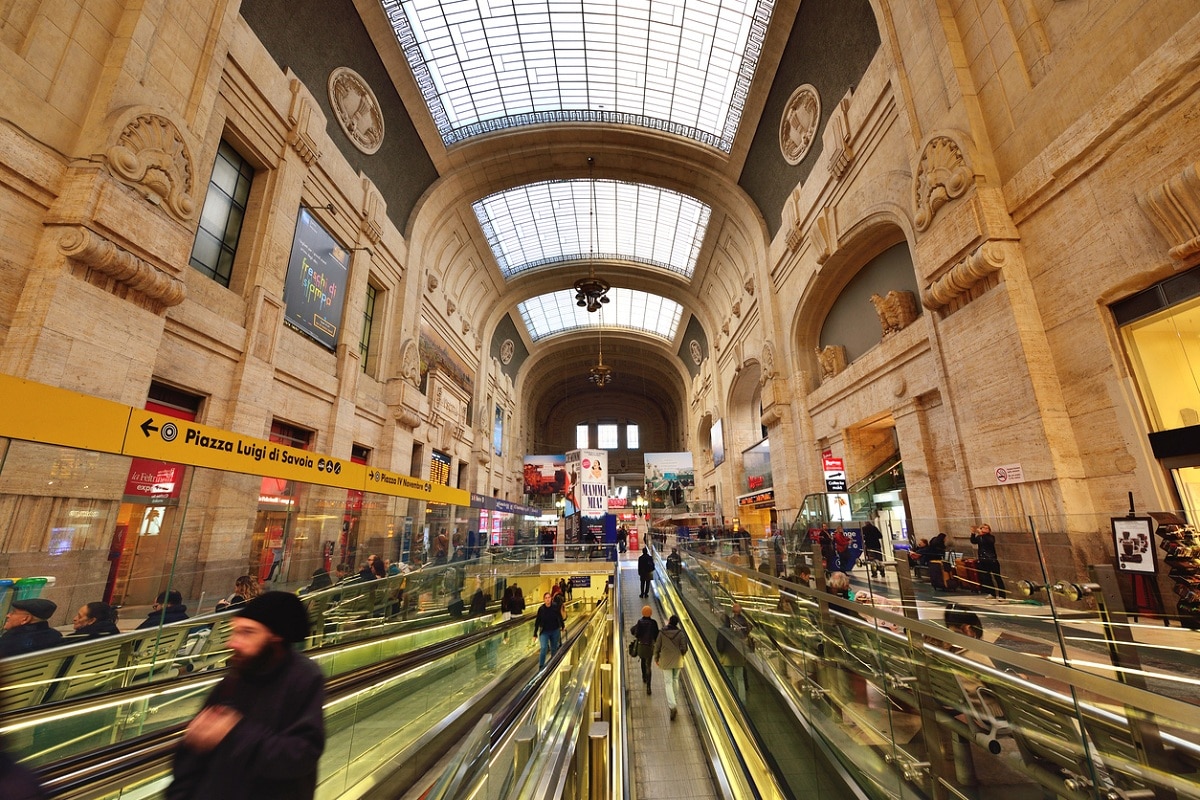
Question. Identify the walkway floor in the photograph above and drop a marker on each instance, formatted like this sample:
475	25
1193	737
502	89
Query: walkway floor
667	758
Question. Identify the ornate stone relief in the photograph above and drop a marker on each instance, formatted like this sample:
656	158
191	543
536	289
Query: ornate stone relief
823	235
836	139
989	257
93	251
410	362
725	326
736	308
151	155
942	175
431	282
1174	208
896	311
356	108
507	348
696	352
466	325
374	212
301	134
832	358
451	306
798	127
767	369
748	285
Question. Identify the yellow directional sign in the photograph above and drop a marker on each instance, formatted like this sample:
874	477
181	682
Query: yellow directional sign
35	412
38	413
393	483
164	438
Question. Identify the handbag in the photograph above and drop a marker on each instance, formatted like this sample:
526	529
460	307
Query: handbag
633	648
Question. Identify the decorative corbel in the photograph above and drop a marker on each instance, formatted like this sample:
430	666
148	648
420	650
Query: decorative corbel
301	124
1174	208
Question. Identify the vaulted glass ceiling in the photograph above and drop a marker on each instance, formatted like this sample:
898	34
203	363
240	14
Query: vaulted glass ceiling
556	312
680	66
546	223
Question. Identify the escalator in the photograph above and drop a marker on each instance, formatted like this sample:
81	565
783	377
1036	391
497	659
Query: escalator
387	722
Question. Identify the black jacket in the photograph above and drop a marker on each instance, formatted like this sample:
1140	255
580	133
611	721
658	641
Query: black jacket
645	566
167	615
549	618
272	753
645	630
27	638
18	783
97	629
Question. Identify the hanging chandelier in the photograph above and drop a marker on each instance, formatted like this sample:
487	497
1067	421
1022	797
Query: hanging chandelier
600	374
591	292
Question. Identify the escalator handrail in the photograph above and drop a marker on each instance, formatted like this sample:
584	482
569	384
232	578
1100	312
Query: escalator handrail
503	719
111	761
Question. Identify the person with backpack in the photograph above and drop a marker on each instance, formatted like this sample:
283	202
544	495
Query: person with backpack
669	650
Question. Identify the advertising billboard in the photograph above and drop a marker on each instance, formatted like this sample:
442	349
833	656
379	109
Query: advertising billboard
314	291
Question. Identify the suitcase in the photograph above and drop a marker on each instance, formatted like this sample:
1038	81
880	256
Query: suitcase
942	577
967	571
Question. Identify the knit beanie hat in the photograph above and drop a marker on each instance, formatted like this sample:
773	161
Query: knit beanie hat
281	612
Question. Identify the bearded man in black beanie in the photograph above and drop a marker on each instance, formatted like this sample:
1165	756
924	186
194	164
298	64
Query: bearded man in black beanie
262	729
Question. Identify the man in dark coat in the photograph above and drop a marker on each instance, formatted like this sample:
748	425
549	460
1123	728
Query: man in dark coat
168	608
645	571
26	628
262	729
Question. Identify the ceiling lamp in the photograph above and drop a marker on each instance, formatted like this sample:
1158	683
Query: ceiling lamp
591	292
600	374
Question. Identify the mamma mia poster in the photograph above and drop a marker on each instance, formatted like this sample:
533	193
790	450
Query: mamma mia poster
587	482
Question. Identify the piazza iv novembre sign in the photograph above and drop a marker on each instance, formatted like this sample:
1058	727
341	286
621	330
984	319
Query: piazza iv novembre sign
314	291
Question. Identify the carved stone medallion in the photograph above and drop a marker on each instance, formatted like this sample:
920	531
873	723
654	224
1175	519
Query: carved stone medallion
798	127
696	352
507	348
356	108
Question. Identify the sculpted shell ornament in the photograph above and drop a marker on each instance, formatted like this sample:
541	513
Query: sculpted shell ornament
151	155
942	176
357	109
798	127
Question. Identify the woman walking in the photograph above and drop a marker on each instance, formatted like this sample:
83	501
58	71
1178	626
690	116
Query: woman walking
669	650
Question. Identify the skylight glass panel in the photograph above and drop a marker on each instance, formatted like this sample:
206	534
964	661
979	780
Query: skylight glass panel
680	66
546	223
629	309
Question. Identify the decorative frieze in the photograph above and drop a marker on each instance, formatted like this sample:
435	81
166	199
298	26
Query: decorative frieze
1174	208
95	252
